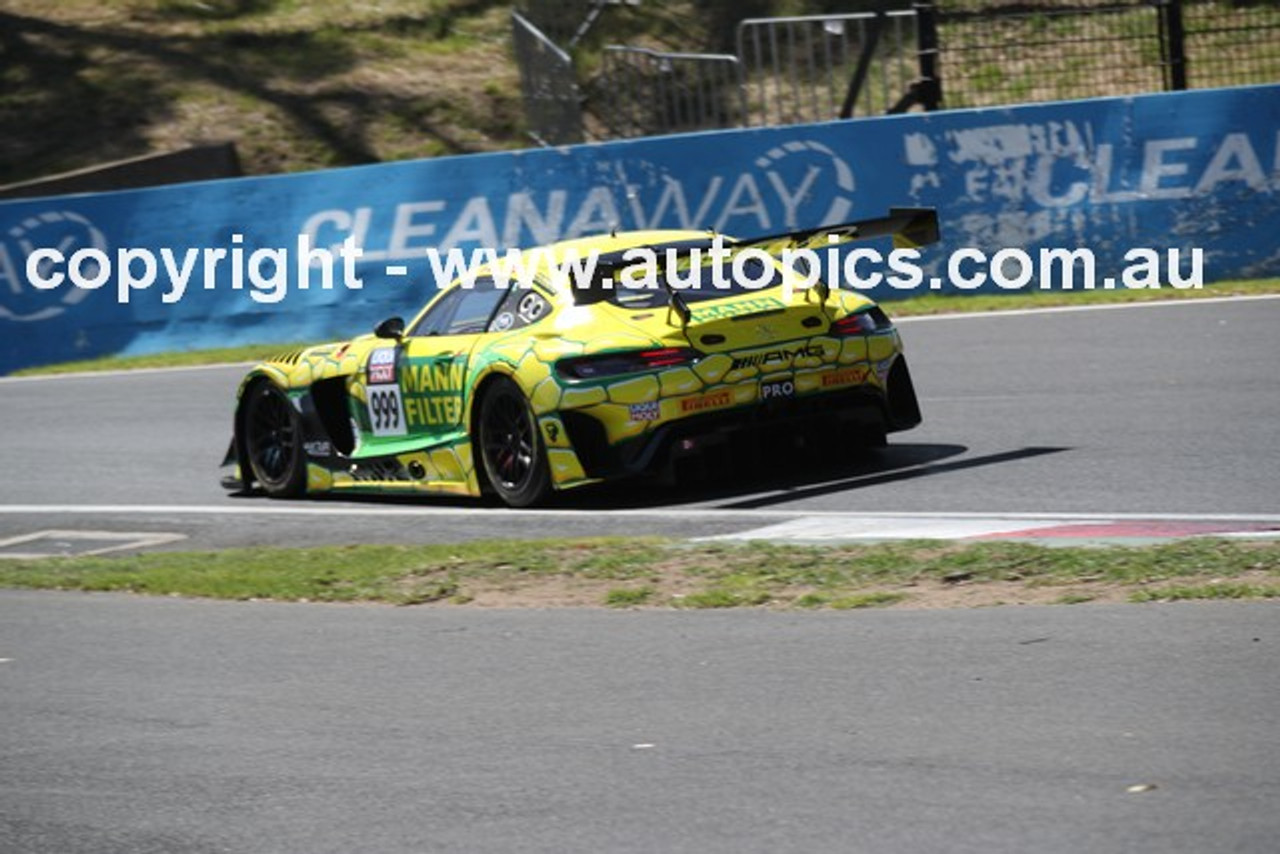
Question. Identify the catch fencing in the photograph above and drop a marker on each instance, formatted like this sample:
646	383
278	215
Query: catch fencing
992	53
933	55
821	67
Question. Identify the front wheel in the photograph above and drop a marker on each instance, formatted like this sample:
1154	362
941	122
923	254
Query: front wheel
273	441
510	446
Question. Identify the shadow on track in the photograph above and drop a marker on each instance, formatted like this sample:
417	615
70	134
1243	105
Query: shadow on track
876	478
753	484
789	477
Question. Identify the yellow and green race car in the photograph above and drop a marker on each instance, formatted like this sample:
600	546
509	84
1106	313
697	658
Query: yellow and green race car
521	390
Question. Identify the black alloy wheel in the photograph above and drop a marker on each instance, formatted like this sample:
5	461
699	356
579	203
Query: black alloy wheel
273	441
510	446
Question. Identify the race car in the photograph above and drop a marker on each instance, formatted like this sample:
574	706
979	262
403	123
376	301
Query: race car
566	380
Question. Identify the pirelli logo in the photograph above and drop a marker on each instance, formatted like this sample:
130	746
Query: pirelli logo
848	376
715	400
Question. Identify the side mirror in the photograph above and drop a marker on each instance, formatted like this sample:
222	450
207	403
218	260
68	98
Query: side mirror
392	327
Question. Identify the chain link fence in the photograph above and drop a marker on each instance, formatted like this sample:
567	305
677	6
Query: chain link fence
994	53
1231	44
820	67
990	55
945	54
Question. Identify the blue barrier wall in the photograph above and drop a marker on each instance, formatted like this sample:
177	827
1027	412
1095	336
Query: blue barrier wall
1193	169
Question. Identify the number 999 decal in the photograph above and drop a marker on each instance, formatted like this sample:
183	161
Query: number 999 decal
386	412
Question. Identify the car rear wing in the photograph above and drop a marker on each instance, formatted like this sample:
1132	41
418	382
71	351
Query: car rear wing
909	227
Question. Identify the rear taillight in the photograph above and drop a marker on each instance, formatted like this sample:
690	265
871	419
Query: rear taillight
871	320
628	362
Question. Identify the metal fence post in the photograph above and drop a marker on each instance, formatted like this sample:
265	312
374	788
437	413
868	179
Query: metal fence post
929	90
1173	38
869	44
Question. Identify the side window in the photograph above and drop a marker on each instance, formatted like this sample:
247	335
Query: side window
466	311
461	310
437	318
522	307
475	308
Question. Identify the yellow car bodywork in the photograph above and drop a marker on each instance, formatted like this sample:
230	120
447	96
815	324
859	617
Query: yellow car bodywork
399	414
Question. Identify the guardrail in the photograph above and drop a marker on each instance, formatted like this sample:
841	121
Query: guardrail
548	86
1189	169
652	92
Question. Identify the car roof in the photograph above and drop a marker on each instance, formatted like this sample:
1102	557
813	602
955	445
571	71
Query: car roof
605	244
620	240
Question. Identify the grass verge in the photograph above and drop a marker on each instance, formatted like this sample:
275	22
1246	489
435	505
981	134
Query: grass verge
962	303
187	359
911	307
639	572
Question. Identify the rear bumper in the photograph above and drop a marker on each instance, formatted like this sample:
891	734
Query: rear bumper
834	420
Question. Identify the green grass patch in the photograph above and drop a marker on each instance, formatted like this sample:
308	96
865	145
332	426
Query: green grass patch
874	599
297	85
666	573
1189	592
629	597
309	85
866	600
723	597
184	359
961	303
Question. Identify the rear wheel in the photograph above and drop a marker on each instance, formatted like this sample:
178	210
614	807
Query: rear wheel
510	446
273	441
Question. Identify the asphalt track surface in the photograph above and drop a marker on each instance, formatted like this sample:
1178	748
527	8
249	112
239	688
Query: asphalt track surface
133	726
1155	409
145	726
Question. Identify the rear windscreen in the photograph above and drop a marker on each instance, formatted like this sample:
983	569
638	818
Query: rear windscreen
696	282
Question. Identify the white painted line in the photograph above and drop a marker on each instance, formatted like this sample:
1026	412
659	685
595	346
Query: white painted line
123	540
397	270
1066	309
266	507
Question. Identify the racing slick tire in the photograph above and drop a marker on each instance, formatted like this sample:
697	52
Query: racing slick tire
511	448
273	441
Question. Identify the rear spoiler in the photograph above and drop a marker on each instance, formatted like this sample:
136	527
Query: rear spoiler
910	228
